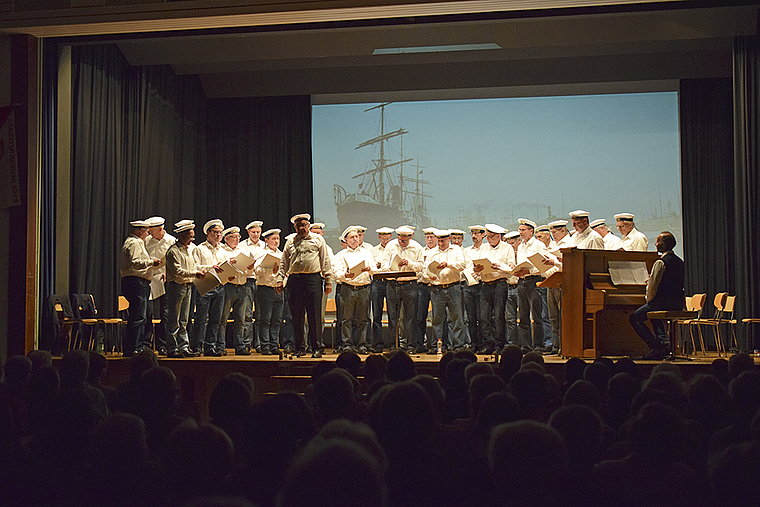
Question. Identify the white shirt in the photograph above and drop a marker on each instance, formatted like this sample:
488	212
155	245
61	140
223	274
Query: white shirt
454	259
635	241
503	254
589	239
349	258
231	253
304	256
527	248
265	276
180	264
378	252
412	253
157	248
254	250
611	242
207	256
134	259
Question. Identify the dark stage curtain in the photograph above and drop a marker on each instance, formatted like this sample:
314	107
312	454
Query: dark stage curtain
707	180
147	142
746	192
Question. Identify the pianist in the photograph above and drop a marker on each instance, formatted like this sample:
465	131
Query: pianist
664	292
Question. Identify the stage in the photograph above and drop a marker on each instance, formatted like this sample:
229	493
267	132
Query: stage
199	376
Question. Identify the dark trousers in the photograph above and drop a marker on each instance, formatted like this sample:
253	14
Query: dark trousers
208	317
423	301
378	294
305	300
235	299
530	304
354	305
157	309
287	335
137	292
638	319
251	334
511	315
402	295
268	317
493	298
472	312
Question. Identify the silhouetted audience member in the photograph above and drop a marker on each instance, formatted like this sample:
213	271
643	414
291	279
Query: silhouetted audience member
510	360
42	392
735	476
359	433
434	390
230	404
349	361
196	461
98	369
528	461
673	387
456	391
740	363
13	391
474	369
374	369
652	475
74	368
356	478
621	390
627	365
708	402
530	389
744	391
583	392
336	394
719	369
128	396
158	402
400	367
574	368
40	358
533	357
598	373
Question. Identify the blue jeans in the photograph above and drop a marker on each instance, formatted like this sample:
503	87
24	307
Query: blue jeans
554	298
493	298
402	295
235	299
660	337
378	294
443	299
268	317
178	297
423	300
530	304
251	331
548	335
208	317
511	315
137	292
471	295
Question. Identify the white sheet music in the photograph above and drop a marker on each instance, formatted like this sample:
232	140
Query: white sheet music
628	272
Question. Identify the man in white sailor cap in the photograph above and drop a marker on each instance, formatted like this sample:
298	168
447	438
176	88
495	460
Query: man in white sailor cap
562	239
513	240
543	234
423	287
471	293
493	295
585	237
269	302
354	291
378	292
633	240
528	295
209	307
157	243
254	246
457	237
444	267
306	264
236	294
136	268
404	255
611	242
180	273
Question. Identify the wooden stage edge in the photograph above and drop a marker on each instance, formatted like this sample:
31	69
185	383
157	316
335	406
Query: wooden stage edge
199	376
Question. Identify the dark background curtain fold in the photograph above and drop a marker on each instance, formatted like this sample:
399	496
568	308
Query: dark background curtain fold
707	186
746	168
147	142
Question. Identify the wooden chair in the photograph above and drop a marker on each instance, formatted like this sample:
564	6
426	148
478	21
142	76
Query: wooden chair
745	332
331	318
115	324
727	317
87	313
65	323
695	303
719	302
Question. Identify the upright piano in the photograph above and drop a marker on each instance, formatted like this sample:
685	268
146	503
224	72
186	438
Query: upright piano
595	311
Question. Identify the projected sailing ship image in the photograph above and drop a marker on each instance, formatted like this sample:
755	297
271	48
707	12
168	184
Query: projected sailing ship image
390	191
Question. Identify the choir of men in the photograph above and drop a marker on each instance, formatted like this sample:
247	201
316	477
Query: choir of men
478	294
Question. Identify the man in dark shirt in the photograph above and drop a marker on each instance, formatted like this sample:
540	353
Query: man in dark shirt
664	292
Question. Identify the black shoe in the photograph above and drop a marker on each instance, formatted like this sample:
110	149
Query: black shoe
288	349
432	352
190	353
243	352
363	350
299	353
317	354
266	352
176	355
411	350
656	354
378	349
162	351
214	353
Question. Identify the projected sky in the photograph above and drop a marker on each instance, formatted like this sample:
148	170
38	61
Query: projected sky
497	160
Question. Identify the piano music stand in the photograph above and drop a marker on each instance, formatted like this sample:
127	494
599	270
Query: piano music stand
670	317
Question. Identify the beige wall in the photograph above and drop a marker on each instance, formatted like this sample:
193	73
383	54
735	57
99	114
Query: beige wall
5	98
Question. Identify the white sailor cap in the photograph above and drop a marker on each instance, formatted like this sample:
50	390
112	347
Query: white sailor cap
495	228
557	223
529	223
579	213
384	230
349	230
442	233
405	230
230	230
429	230
477	228
155	221
596	223
139	223
255	223
212	223
542	228
628	217
305	216
184	225
457	232
360	228
512	234
270	232
317	225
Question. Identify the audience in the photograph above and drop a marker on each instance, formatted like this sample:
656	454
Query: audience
377	434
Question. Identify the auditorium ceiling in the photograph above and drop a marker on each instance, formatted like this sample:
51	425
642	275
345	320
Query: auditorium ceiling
528	53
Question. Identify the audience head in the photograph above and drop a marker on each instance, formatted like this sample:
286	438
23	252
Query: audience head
584	393
574	368
475	369
375	367
17	371
158	391
581	428
719	369
336	395
434	390
349	361
739	363
533	357
745	393
74	368
598	373
140	363
497	408
480	387
658	433
40	358
510	360
231	400
98	367
400	367
403	417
